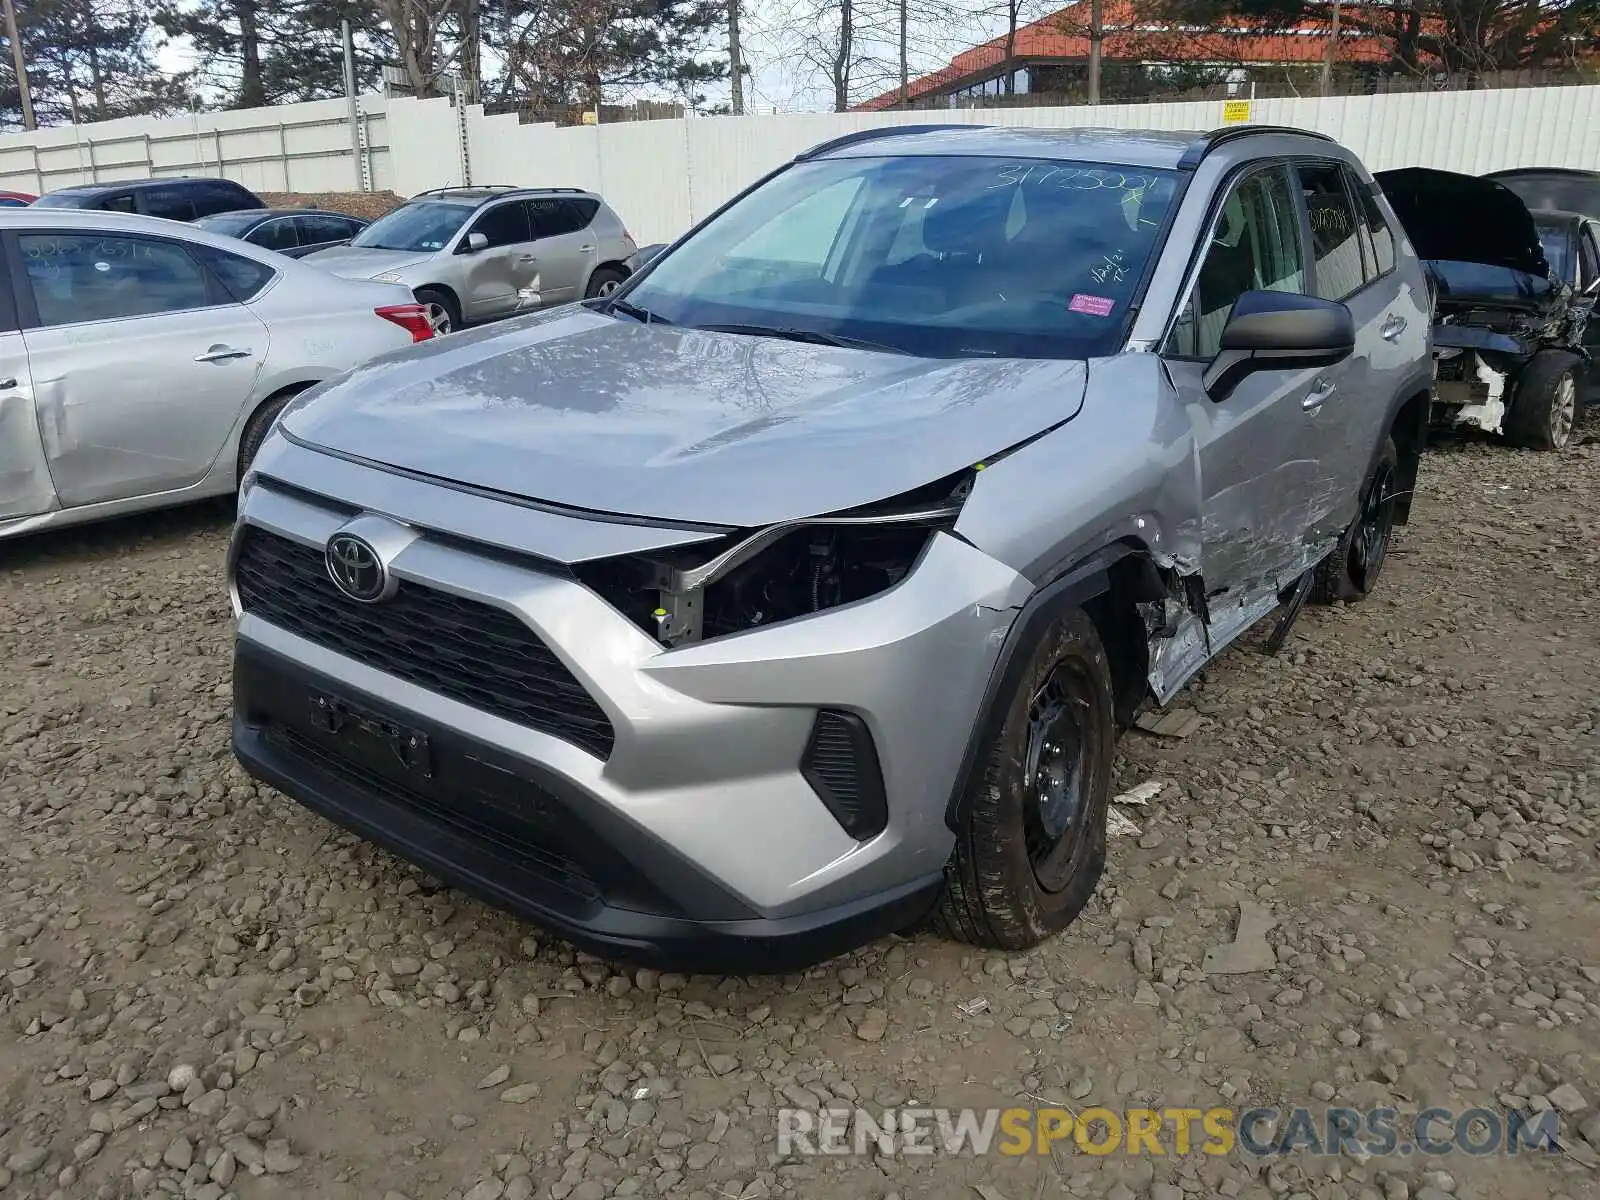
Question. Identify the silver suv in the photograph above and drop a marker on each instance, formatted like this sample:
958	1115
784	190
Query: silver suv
476	254
796	591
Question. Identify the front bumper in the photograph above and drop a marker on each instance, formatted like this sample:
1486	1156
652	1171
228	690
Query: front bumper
697	837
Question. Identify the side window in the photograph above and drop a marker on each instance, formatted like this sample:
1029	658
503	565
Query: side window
278	234
1378	228
241	277
552	217
122	202
1335	236
1588	258
175	204
504	225
87	277
315	228
1255	246
805	233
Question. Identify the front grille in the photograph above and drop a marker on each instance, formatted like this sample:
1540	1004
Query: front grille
471	652
841	765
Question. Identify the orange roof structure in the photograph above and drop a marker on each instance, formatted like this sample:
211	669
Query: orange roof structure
1126	36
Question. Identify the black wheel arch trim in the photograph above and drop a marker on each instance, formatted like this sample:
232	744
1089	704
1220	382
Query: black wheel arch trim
1074	588
1411	449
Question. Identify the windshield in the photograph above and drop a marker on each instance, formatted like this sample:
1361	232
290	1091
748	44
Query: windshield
423	227
1566	193
230	224
934	256
1553	238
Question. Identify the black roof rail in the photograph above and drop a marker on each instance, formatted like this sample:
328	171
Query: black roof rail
470	187
881	131
1208	142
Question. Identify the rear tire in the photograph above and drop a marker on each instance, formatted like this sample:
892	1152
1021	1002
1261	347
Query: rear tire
1033	841
603	282
1351	571
1545	408
443	312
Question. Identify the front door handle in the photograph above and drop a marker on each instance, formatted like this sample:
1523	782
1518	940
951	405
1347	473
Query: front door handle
586	249
221	353
1392	329
1319	393
527	258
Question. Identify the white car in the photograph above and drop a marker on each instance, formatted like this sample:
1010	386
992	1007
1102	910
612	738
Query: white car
142	360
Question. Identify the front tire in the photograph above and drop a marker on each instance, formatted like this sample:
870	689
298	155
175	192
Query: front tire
255	432
1351	571
1545	407
1033	840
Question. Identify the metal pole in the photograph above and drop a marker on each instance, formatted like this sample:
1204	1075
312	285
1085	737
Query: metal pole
23	91
355	112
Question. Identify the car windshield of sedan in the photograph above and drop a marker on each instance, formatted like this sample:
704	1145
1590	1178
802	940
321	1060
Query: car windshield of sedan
936	256
424	227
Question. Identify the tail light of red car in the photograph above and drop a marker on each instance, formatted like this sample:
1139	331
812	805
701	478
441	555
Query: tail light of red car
413	318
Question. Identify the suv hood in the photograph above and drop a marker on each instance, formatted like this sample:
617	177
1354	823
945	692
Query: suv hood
602	413
1464	218
353	262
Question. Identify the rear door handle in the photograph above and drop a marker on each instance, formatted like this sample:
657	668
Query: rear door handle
1392	329
528	258
220	353
586	249
1319	393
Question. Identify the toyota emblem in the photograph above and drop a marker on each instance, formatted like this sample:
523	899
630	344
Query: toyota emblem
356	569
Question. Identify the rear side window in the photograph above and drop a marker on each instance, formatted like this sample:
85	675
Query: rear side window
76	278
585	208
173	203
553	216
220	196
1335	232
1378	228
242	278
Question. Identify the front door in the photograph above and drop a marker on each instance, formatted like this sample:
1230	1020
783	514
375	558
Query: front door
1255	480
496	275
140	365
25	487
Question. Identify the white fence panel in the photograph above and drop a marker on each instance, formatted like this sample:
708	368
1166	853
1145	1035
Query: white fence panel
292	147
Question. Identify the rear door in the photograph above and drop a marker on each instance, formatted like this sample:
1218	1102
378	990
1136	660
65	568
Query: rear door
25	487
320	230
1255	480
141	360
175	203
493	276
1353	261
566	249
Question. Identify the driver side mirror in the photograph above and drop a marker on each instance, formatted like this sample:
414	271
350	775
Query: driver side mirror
474	243
1278	331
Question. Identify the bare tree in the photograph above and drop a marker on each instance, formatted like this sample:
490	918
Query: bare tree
432	37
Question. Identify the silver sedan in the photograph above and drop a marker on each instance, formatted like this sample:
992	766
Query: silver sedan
142	361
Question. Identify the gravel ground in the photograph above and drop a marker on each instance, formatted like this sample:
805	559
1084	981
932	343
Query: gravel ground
205	989
369	206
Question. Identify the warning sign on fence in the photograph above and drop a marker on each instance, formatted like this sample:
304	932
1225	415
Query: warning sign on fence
1235	112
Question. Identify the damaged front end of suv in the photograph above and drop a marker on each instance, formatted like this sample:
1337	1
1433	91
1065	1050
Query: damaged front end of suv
1508	332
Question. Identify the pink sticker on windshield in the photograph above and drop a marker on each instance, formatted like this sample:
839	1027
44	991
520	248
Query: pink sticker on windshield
1095	306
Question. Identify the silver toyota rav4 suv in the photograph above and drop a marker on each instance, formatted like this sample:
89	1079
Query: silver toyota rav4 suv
476	254
795	592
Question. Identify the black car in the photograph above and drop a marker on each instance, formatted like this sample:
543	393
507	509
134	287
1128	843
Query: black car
1510	329
292	231
175	199
1562	189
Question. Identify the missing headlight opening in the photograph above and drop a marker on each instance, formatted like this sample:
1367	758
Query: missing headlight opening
778	573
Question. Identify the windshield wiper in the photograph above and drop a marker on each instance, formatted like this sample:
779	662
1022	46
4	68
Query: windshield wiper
637	313
814	336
